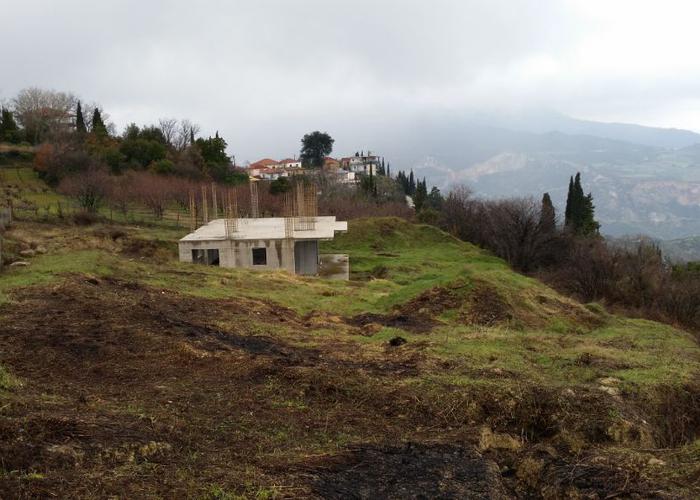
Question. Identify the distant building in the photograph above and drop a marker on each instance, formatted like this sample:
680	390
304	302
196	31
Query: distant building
361	164
264	163
289	244
289	163
330	163
269	169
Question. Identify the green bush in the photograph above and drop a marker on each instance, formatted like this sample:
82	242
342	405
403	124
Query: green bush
163	166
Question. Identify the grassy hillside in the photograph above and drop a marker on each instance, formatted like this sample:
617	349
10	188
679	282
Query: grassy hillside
436	368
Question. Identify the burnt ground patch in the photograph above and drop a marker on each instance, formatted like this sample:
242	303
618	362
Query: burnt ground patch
486	307
418	315
479	304
133	391
128	389
410	471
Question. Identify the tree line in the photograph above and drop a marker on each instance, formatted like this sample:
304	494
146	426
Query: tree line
72	138
572	256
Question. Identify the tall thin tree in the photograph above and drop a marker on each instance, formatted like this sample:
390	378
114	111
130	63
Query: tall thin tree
548	221
80	120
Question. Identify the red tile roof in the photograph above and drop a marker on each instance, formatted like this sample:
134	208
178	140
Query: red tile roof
265	162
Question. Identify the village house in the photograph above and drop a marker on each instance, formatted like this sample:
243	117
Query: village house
284	243
289	163
264	163
330	163
269	169
345	170
361	164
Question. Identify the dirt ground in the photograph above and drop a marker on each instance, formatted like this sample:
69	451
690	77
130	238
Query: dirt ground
134	392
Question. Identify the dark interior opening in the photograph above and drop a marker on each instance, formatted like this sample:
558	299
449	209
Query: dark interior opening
207	256
259	256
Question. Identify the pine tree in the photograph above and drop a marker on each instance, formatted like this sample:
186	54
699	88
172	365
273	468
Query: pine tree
80	120
388	170
547	215
421	195
411	184
588	224
98	126
435	198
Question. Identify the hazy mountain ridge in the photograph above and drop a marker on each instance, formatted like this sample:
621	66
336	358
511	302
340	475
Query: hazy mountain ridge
638	187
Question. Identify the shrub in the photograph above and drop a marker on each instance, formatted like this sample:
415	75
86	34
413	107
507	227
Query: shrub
280	186
89	189
163	166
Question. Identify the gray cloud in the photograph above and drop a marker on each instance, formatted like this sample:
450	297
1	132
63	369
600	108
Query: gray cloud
264	72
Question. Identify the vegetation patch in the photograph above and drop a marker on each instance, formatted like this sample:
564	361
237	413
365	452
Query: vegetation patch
149	377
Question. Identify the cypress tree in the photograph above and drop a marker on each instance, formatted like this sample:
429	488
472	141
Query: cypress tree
588	223
569	203
80	120
8	126
411	184
547	214
580	211
98	126
388	170
579	208
191	137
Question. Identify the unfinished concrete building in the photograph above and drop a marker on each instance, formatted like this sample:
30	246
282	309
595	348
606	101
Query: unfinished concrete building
285	243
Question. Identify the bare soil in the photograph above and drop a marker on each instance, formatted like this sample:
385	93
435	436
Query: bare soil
136	392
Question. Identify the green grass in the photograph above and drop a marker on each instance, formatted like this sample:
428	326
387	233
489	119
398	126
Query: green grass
545	341
7	380
45	269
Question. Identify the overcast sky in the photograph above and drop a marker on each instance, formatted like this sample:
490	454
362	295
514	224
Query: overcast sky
263	72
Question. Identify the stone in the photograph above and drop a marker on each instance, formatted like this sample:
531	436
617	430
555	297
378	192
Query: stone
613	391
497	441
19	263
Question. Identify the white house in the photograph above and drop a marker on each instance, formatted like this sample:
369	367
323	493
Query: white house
289	163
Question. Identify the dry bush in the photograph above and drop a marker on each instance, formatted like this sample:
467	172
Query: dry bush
512	229
589	268
89	188
347	204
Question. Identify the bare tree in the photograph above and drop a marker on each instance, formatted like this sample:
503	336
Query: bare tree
169	127
186	130
89	188
514	230
44	112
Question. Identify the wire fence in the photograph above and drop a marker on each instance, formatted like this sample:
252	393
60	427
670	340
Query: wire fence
67	209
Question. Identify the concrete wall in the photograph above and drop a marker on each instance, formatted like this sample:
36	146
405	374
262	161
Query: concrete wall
306	257
232	253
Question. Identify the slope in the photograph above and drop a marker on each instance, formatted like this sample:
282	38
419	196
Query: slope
135	375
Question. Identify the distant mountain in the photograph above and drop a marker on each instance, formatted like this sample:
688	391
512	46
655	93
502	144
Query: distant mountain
546	121
682	250
651	186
